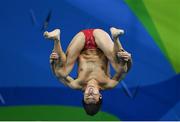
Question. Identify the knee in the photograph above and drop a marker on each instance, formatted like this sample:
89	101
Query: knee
99	32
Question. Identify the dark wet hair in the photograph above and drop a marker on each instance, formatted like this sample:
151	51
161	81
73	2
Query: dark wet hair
92	108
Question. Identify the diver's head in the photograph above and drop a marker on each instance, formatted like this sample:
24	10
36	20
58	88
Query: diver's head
92	98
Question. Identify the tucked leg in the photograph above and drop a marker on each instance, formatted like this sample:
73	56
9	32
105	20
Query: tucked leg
114	52
73	51
105	43
55	36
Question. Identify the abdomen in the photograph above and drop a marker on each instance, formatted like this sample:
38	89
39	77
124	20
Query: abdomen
92	65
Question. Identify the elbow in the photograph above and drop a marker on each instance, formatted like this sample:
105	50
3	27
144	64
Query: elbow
74	86
112	85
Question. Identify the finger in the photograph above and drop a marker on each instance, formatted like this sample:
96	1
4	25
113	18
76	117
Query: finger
125	58
124	53
53	57
121	53
54	53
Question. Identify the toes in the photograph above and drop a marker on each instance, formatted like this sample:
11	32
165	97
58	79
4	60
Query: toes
120	31
54	35
116	32
58	31
45	34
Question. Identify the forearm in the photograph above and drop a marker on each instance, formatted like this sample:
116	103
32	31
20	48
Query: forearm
113	82
124	69
60	72
59	65
70	82
58	69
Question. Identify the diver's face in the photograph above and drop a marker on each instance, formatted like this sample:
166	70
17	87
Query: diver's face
91	94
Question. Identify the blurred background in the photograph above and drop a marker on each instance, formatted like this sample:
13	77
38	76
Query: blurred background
29	90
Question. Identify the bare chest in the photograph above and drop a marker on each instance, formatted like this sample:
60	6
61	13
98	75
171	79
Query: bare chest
92	66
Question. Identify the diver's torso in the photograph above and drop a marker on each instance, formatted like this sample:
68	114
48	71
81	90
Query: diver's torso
92	64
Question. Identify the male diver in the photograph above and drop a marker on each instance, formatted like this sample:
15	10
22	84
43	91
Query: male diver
93	49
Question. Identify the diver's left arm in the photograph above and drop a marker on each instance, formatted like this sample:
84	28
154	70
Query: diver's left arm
125	61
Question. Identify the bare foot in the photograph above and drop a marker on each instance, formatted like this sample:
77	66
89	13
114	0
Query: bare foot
116	32
53	35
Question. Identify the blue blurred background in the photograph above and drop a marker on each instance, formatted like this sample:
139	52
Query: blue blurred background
26	78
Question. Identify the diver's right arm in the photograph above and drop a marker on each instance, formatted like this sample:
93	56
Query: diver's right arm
58	70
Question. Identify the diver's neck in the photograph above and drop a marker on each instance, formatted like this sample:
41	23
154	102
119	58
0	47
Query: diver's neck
93	83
